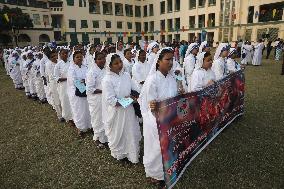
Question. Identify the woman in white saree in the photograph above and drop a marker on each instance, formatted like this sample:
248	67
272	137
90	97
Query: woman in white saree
121	124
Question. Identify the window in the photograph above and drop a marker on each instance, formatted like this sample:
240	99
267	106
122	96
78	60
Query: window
170	5
151	10
107	8
108	24
146	26
80	3
192	4
118	9
72	23
109	40
211	2
145	8
138	26
84	24
96	24
129	10
201	3
152	26
170	24
162	7
46	20
192	21
70	2
119	25
177	23
250	14
211	20
129	25
137	11
201	21
94	6
177	5
271	12
162	24
36	19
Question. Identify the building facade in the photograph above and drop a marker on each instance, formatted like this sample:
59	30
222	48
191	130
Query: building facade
96	21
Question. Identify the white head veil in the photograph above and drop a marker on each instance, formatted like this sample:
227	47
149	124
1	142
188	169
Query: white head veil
190	48
200	60
221	47
232	51
151	45
154	65
202	46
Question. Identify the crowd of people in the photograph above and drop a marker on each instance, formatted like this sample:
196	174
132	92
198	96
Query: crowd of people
112	90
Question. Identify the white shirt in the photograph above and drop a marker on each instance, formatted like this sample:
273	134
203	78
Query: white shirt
140	71
219	68
94	79
189	65
200	79
233	65
61	69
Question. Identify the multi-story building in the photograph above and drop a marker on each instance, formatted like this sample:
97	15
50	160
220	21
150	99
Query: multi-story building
96	21
39	12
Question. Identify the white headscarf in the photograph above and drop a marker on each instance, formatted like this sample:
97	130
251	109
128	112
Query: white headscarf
200	60
202	46
151	45
221	47
232	51
190	48
154	65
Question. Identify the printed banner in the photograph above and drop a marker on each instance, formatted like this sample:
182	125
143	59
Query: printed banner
189	122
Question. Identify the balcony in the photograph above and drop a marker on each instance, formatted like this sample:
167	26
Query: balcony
56	10
56	7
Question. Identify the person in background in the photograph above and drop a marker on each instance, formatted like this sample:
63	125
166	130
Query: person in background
232	64
120	123
60	74
219	66
257	56
202	75
52	82
268	49
78	99
94	79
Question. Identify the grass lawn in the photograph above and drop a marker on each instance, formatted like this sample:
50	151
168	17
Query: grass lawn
36	151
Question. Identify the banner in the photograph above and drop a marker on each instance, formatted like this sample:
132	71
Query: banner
189	122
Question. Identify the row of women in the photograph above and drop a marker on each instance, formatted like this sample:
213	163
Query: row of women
57	76
252	54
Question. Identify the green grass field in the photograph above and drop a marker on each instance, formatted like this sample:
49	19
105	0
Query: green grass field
36	151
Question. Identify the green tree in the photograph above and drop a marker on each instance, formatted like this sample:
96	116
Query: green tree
17	21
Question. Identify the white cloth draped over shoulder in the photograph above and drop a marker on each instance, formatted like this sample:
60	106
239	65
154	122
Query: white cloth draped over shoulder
140	72
60	71
156	88
94	79
121	124
79	105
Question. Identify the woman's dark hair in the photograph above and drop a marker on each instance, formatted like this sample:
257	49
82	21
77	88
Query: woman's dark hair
113	58
63	49
126	50
161	56
53	51
141	51
75	53
97	54
207	54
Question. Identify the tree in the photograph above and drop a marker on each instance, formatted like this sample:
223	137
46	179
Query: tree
17	20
